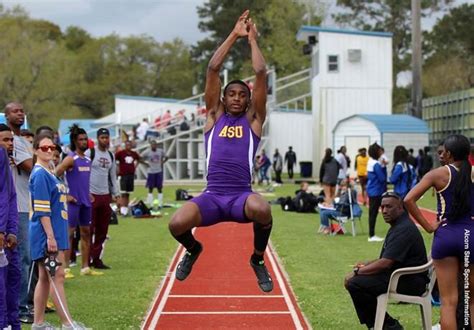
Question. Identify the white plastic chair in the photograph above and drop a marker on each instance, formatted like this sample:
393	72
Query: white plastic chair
342	220
424	300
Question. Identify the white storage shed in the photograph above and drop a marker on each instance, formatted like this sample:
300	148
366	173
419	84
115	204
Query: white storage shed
360	131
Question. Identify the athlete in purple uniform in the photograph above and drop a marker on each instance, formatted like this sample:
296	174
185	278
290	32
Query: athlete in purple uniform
10	275
453	246
77	169
232	133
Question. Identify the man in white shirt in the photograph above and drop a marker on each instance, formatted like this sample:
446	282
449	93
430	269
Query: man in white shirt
142	129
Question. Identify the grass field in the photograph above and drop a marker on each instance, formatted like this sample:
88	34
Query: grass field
140	249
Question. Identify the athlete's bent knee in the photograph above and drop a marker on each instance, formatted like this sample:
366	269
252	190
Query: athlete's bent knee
181	222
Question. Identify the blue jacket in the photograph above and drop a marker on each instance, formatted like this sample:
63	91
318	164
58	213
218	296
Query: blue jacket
8	206
377	178
403	178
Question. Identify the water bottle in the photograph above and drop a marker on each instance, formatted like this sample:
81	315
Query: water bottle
3	258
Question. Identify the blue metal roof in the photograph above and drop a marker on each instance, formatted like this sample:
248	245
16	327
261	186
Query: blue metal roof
395	123
306	30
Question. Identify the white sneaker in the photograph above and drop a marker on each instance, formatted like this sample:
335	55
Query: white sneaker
42	326
437	326
375	239
74	326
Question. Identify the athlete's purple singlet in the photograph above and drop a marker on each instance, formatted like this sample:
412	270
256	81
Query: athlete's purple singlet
445	198
230	150
78	179
454	237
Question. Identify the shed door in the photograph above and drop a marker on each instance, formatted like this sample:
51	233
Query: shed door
353	144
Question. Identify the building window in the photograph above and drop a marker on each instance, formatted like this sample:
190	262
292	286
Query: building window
333	63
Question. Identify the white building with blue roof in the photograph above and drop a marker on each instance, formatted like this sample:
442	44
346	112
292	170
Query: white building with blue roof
352	74
360	131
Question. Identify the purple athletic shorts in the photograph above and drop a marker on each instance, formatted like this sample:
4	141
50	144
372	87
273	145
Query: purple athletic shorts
221	207
78	215
454	239
154	180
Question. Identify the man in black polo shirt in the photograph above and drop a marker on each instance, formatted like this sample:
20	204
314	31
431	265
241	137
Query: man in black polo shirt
403	247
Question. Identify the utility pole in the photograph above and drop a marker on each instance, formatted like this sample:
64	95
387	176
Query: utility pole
416	91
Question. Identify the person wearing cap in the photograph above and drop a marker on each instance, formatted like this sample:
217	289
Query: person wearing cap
103	187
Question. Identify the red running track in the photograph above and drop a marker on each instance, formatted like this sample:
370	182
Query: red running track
222	290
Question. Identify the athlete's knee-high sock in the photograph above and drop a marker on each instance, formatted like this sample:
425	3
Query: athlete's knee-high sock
160	199
260	239
188	241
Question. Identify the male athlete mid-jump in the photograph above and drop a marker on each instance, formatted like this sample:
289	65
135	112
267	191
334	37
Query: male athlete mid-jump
232	134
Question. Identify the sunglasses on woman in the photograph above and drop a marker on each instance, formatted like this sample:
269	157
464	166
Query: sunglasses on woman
46	148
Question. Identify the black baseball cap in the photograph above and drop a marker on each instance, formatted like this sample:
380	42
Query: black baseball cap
102	131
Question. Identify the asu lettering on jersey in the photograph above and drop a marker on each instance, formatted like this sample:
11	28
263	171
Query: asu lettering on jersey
230	150
231	132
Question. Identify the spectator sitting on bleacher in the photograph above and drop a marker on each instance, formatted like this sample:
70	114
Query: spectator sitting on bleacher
341	207
166	119
201	115
157	122
184	126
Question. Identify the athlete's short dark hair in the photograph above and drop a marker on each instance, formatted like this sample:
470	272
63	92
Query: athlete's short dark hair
237	81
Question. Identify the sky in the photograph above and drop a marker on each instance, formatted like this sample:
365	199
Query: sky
162	19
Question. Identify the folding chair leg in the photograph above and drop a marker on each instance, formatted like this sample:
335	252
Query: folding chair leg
361	226
382	302
425	310
353	228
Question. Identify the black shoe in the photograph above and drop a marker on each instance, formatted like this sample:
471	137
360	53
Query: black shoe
49	310
26	318
98	264
263	276
186	264
393	324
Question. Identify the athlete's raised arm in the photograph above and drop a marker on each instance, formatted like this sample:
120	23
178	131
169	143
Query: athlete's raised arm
259	94
212	92
65	165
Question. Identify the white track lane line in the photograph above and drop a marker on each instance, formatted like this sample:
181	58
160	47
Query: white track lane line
281	282
170	272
